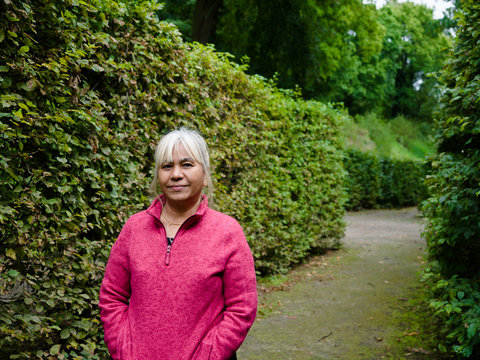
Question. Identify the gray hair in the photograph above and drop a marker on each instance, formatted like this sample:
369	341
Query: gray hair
194	145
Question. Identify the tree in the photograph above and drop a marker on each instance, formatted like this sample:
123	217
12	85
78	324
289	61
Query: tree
179	13
304	42
196	19
414	49
334	51
205	19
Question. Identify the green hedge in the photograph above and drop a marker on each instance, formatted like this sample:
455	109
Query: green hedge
453	209
379	182
86	92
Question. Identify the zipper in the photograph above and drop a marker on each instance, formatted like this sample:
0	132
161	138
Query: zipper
169	244
169	250
167	255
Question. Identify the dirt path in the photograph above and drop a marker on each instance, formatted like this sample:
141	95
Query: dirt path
356	303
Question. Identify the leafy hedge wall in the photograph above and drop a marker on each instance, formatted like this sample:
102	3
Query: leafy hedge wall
453	209
87	89
379	182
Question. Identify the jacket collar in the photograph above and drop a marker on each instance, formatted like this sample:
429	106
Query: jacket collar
155	209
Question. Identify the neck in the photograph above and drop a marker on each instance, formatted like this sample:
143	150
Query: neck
180	213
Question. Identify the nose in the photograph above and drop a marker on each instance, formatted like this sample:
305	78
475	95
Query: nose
177	172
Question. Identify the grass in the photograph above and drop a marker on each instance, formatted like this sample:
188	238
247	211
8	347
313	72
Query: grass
420	340
398	138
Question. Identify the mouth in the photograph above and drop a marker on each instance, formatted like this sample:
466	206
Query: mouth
177	187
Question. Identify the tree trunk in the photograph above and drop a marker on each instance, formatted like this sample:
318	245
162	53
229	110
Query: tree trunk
205	19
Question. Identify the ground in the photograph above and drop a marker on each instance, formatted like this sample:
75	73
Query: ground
361	302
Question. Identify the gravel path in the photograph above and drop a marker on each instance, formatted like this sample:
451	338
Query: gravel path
349	304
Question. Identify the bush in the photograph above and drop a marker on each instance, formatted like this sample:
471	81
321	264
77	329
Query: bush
363	181
381	182
87	89
456	304
453	208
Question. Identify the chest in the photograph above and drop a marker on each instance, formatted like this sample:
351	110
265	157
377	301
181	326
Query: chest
193	263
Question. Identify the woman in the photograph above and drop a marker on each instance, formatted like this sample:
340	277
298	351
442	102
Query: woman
180	281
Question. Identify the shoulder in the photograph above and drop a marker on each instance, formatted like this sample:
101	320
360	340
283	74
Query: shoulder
219	217
223	224
139	217
139	220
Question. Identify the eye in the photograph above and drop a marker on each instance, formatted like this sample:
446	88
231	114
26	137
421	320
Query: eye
166	166
187	164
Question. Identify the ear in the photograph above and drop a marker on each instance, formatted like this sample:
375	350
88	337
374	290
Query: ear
205	182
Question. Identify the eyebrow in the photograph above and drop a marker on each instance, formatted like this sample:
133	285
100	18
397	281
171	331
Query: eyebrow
181	160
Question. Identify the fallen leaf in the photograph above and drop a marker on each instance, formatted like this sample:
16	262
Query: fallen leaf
419	350
412	333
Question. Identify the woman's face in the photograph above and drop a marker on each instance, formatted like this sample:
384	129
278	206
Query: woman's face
182	180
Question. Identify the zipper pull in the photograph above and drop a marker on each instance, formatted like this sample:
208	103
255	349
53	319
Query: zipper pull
167	255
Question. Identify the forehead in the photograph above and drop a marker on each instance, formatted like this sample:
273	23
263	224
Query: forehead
178	152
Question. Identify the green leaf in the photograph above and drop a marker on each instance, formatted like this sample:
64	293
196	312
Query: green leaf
11	254
471	330
24	49
65	333
55	349
28	300
23	106
97	68
13	273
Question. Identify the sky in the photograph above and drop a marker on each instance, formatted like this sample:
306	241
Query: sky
439	6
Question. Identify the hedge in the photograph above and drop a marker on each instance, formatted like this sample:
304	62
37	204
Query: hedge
380	182
453	209
87	89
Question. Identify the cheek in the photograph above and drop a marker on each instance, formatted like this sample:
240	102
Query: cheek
162	178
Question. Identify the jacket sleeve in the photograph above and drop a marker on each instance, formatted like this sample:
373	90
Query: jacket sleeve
240	291
115	294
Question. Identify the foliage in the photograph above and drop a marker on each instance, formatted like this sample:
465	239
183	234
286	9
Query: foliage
305	42
453	209
278	161
381	182
179	13
363	182
398	138
414	49
336	51
86	91
456	303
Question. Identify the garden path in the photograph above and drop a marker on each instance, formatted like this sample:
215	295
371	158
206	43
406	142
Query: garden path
361	302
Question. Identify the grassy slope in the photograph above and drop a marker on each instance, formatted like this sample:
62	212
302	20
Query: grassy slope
398	138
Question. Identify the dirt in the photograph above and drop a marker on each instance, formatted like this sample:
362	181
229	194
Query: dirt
361	302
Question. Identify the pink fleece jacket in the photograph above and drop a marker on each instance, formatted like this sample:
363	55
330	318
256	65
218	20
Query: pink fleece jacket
194	300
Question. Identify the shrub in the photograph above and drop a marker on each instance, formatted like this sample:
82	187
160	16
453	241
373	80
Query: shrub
86	91
363	181
453	208
381	182
456	303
